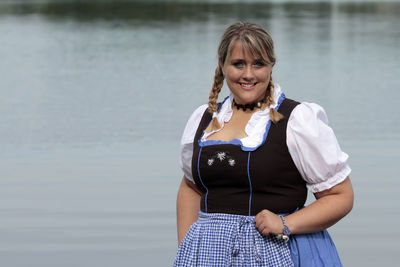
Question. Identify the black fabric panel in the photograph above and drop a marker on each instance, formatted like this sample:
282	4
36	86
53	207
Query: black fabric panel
275	182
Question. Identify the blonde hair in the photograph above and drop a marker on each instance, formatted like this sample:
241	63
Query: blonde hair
258	42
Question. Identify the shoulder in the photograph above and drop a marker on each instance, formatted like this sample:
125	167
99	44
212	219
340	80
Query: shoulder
308	115
192	124
187	140
287	106
198	112
290	102
314	148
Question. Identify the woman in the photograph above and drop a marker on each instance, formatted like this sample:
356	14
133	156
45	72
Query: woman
247	164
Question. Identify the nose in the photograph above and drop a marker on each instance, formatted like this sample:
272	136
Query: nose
248	73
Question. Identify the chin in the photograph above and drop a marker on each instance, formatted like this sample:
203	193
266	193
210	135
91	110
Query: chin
248	99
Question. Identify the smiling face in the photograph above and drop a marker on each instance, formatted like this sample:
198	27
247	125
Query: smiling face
247	75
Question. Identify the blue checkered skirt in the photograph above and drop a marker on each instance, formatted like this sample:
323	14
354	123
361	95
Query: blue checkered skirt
218	239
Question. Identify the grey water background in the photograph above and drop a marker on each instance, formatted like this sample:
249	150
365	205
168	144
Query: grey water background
95	96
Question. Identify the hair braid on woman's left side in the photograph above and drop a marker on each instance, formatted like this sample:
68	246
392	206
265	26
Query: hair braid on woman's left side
274	115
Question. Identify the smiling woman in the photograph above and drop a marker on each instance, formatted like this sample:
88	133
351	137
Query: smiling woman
247	164
246	76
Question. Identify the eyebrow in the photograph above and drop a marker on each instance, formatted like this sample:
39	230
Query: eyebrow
242	59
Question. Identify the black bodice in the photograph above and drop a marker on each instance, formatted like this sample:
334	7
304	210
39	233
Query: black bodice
236	181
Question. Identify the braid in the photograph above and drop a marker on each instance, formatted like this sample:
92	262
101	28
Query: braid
274	115
270	90
212	100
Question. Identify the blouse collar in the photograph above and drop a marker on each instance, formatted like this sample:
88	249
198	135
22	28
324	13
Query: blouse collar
256	125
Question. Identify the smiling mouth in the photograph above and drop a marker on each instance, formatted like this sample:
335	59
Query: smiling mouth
247	85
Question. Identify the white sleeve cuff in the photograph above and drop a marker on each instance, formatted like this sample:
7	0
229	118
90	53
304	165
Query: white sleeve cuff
330	182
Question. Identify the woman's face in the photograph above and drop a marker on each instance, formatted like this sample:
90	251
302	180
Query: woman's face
246	76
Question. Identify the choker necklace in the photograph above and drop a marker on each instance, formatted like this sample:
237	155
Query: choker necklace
249	106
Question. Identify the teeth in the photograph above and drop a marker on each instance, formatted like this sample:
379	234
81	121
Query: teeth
248	84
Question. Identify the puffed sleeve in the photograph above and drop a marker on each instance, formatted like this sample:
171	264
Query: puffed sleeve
187	141
315	149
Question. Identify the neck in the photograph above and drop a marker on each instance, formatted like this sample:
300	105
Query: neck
250	106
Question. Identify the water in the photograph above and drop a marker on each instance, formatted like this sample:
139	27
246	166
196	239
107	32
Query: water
95	96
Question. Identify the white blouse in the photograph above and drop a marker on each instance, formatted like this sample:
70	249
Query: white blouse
311	142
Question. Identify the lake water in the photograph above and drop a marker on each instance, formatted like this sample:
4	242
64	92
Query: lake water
95	95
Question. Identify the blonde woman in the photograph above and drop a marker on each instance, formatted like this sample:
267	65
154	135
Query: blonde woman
248	162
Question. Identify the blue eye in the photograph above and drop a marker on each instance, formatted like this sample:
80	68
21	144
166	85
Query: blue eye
259	64
238	64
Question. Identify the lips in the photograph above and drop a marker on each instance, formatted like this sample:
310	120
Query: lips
247	86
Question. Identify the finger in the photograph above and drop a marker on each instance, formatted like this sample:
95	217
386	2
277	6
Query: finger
259	217
260	214
265	231
261	224
261	220
262	228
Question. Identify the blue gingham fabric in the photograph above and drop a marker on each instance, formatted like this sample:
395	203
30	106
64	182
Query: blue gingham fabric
217	239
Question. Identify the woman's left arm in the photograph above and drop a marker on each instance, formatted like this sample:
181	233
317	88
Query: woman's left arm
330	206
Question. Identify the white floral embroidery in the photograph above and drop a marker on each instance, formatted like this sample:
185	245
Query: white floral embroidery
221	156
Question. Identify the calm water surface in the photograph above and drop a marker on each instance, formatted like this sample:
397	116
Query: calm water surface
95	96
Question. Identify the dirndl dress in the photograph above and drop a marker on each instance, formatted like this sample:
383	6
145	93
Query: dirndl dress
236	184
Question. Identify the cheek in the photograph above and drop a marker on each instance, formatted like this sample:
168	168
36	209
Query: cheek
231	77
264	77
232	74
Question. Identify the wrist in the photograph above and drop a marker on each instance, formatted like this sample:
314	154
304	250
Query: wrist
285	231
289	223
